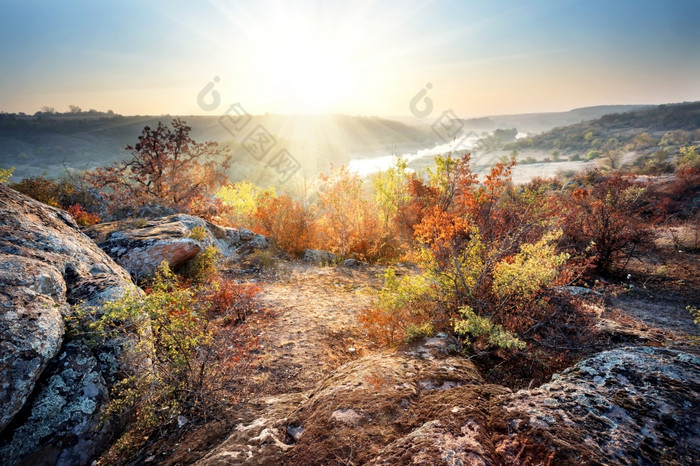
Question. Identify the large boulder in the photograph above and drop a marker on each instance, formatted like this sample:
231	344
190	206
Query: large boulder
51	390
319	257
633	405
141	245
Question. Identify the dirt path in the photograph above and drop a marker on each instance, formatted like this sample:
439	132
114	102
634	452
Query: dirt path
313	332
315	329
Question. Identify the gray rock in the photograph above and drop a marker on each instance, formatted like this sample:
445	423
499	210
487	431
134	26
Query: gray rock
628	405
52	391
351	263
317	256
246	235
141	245
259	242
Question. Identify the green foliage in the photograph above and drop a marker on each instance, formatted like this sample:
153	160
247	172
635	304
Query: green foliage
202	267
198	233
688	158
169	328
265	258
6	174
401	312
417	331
593	154
472	326
391	189
532	269
654	164
244	198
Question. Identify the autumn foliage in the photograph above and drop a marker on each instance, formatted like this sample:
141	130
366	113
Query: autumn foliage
604	221
286	221
168	168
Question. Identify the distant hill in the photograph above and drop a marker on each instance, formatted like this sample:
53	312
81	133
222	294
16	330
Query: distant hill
538	122
617	129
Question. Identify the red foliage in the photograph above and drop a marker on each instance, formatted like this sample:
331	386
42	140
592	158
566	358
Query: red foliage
604	221
167	167
234	300
82	217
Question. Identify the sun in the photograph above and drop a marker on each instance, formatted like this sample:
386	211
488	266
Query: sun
309	73
306	62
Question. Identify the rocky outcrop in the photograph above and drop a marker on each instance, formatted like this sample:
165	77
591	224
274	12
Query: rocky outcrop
319	257
634	405
631	405
51	390
141	245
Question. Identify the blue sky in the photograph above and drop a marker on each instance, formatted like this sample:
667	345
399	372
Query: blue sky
359	57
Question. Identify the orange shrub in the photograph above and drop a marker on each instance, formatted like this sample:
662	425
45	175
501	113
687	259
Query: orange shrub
233	300
285	221
82	218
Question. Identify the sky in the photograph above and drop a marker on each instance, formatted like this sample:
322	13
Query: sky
360	57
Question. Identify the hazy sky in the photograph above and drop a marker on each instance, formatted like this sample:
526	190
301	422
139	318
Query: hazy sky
358	57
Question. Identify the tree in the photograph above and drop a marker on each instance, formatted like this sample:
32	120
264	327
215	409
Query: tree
169	168
391	190
74	109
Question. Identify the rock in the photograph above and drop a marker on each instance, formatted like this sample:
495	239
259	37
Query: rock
628	405
51	390
31	327
318	257
369	402
352	263
246	235
295	432
141	245
634	405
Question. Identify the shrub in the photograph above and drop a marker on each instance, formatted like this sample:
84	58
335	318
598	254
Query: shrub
489	261
61	193
401	312
6	174
472	326
178	359
168	372
202	267
604	221
81	217
285	221
233	301
688	159
198	233
593	154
